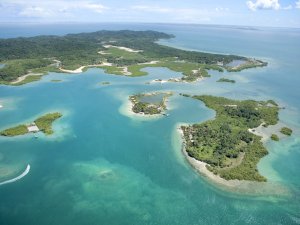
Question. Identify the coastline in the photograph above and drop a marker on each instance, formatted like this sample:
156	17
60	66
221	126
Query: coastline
235	186
22	78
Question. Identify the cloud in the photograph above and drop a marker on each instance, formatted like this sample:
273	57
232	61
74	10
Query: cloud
50	9
263	4
35	11
147	8
298	4
185	15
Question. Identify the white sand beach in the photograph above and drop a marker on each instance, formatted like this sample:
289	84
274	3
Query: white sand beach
79	70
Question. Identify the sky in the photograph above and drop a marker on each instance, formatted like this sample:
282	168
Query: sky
271	13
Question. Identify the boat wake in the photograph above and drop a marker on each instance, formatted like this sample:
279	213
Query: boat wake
26	171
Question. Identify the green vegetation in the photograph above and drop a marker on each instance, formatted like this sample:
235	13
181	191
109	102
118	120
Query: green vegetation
274	137
44	123
42	54
14	131
225	143
149	107
286	131
226	80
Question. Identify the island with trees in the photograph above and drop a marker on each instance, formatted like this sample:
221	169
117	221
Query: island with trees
125	52
286	131
225	144
226	80
42	124
150	103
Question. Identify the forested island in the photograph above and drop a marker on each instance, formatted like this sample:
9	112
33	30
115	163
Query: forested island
117	52
41	124
226	80
149	103
225	143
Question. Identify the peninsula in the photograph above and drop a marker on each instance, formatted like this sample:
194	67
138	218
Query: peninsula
225	144
41	124
117	52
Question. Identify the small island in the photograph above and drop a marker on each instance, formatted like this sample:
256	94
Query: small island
225	144
123	52
226	80
286	131
42	124
149	103
105	83
274	137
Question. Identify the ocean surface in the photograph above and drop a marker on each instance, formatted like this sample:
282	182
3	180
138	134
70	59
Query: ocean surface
103	166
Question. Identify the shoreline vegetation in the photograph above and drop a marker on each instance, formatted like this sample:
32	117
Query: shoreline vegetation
42	124
228	148
117	52
150	104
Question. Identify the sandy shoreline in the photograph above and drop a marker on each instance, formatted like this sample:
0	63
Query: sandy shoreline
236	186
80	69
19	79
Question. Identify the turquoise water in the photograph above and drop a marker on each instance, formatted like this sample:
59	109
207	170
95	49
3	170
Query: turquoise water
103	167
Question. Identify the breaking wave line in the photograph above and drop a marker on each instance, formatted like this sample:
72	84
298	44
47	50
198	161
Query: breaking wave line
26	171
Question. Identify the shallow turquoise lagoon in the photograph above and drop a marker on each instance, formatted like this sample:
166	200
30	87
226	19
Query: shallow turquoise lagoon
103	166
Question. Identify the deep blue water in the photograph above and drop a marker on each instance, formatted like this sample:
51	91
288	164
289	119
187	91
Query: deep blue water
104	167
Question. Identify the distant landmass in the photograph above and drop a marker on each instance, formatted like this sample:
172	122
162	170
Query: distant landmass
123	52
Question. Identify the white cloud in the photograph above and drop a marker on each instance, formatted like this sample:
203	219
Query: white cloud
174	14
35	11
54	8
298	4
263	4
147	8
